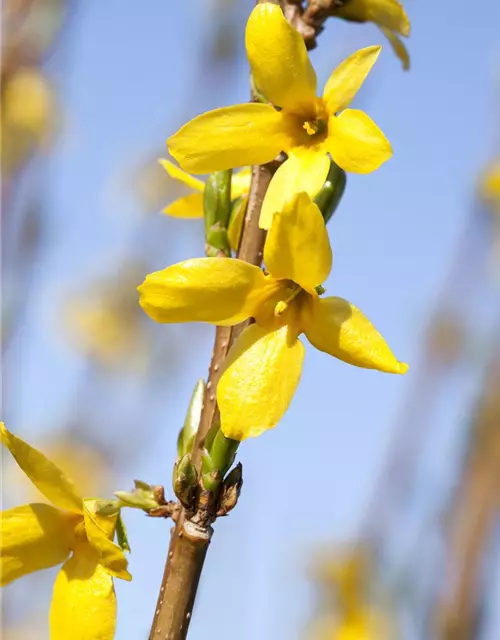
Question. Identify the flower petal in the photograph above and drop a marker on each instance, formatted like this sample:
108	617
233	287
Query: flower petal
100	531
278	58
177	173
340	329
297	246
34	537
43	473
346	80
305	170
244	134
389	14
398	47
84	601
190	206
240	182
259	379
221	291
356	143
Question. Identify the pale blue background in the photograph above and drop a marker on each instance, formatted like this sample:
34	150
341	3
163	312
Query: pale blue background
126	72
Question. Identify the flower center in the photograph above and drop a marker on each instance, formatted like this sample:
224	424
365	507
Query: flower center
283	305
314	127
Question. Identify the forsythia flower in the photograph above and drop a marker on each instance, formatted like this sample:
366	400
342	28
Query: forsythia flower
38	536
388	15
306	127
263	367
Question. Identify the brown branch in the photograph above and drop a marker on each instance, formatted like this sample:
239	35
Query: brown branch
309	21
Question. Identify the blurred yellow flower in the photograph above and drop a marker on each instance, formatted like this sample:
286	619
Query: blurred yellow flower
38	536
263	367
105	323
388	15
306	127
27	115
489	187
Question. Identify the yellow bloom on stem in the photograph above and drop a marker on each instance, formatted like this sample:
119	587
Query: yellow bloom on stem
263	367
303	125
388	15
38	536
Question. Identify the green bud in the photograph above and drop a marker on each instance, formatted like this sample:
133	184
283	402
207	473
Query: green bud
332	191
142	497
217	210
121	534
191	423
211	480
223	451
185	480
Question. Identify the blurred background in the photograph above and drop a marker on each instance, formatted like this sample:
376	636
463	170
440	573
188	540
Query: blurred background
373	508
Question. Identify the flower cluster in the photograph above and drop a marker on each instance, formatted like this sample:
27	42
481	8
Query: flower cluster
263	367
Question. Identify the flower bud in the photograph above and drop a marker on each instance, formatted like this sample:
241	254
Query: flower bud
191	423
331	192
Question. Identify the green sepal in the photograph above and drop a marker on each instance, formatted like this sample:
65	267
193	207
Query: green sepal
121	534
217	210
331	193
188	432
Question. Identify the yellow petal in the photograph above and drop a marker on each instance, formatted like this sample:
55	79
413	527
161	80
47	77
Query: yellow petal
244	134
100	532
356	143
178	174
43	473
190	206
398	47
236	223
278	59
83	602
389	14
305	170
221	291
346	80
297	246
34	537
340	329
240	183
258	382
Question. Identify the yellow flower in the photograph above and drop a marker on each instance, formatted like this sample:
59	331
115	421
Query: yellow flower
263	367
490	184
306	127
38	536
191	206
388	15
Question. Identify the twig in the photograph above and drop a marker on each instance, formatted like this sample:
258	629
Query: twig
309	21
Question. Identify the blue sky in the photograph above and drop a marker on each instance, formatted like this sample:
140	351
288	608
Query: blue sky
126	83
